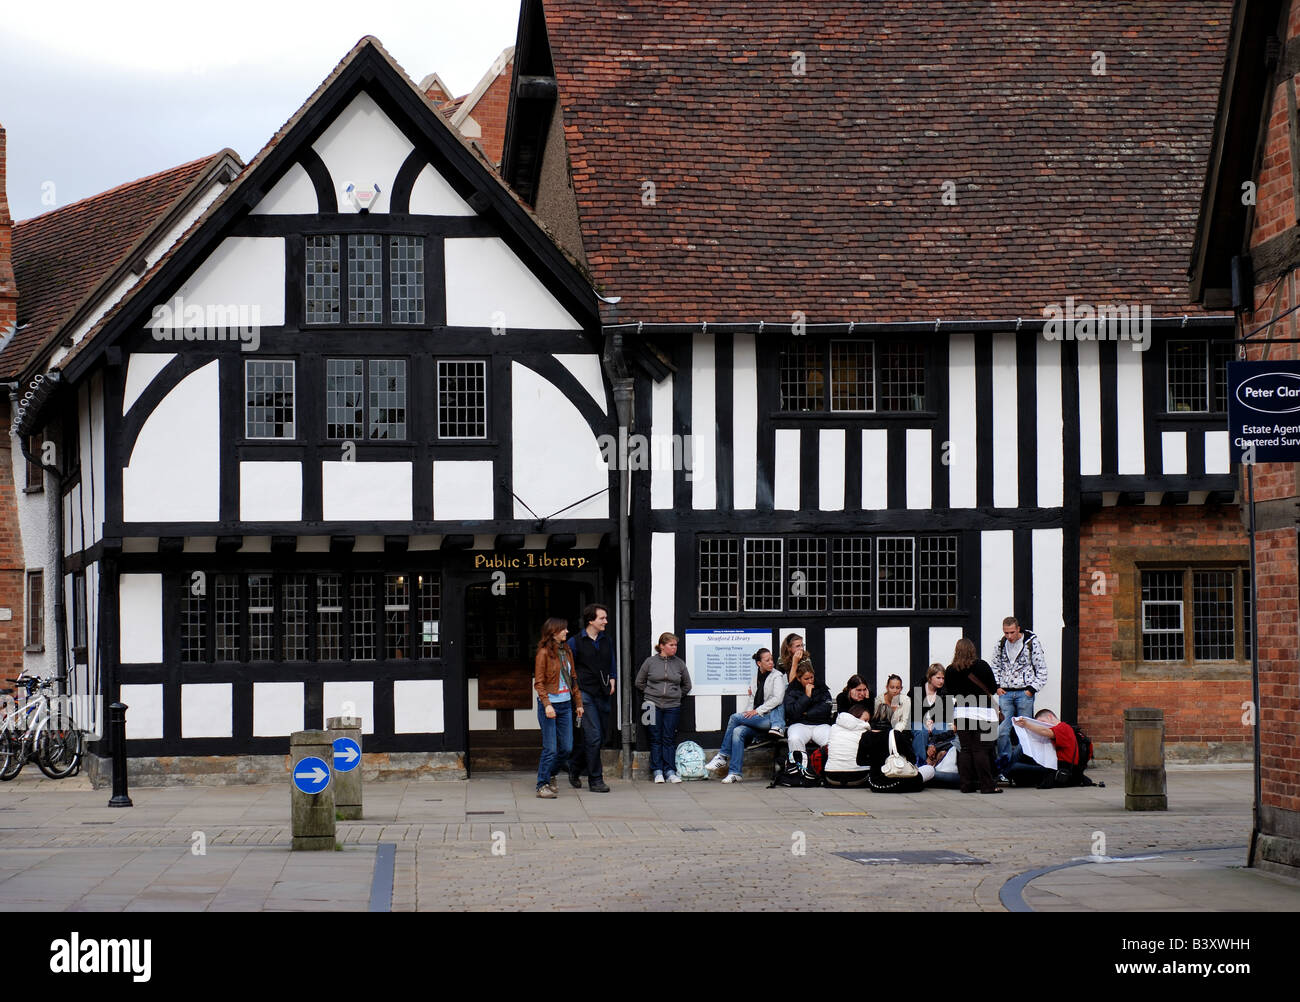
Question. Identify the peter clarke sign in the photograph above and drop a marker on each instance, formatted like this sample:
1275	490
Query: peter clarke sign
526	561
1264	411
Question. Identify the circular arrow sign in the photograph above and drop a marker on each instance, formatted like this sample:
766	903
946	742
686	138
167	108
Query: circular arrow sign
311	775
347	754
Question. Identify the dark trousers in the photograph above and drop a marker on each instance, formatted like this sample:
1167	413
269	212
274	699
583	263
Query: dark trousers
595	725
975	760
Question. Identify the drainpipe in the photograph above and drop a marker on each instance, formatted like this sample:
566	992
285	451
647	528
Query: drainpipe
623	399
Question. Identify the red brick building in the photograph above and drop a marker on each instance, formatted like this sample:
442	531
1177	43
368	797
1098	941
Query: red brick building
11	551
1247	254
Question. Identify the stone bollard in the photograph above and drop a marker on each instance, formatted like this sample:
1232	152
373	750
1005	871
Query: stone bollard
347	766
310	753
1144	760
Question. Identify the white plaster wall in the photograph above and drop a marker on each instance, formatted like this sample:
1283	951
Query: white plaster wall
487	286
1132	432
140	618
962	422
663	595
708	713
586	370
704	423
96	452
433	196
1049	608
362	146
997	588
174	474
555	458
141	370
841	656
1006	437
1089	409
893	655
1217	457
361	696
293	194
144	714
785	472
207	710
363	492
1173	448
278	708
919	470
943	639
1051	426
830	470
242	271
462	490
38	515
875	469
661	430
484	720
744	428
417	706
270	492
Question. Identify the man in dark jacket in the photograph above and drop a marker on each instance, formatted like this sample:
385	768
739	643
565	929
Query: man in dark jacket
593	659
808	711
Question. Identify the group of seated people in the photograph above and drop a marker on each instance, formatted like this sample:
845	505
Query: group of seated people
889	744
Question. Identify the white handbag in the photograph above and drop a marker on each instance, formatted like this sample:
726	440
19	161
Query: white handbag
897	767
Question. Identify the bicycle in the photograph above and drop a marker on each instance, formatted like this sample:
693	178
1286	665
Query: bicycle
41	730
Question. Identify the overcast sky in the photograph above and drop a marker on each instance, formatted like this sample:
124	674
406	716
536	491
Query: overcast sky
94	93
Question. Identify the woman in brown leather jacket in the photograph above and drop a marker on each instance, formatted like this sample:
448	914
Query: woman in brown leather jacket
558	699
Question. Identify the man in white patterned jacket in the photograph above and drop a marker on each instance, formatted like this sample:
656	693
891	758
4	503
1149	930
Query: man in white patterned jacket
1020	669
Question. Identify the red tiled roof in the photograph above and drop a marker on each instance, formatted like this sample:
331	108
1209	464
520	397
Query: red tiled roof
823	192
62	256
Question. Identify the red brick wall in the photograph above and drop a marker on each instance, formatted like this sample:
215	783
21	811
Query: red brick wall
8	289
490	113
1197	710
11	561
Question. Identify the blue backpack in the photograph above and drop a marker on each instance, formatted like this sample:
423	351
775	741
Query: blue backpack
690	761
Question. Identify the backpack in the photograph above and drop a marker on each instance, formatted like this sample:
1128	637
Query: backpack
795	773
690	761
1085	756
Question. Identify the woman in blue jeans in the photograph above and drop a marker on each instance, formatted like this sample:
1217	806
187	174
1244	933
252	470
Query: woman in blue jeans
664	681
766	714
558	700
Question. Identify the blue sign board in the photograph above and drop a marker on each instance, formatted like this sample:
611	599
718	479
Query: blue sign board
347	754
1264	412
311	774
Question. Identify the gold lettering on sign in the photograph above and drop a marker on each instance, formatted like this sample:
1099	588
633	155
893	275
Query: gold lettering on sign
495	561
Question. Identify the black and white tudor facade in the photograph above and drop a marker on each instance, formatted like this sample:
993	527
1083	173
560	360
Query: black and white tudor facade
338	451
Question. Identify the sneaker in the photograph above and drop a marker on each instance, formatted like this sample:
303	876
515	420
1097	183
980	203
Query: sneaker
776	732
674	778
546	793
716	763
554	786
1002	780
732	777
659	776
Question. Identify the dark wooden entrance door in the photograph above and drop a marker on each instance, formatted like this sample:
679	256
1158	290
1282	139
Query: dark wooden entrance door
501	634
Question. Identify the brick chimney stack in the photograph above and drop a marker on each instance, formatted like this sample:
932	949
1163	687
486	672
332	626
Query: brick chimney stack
8	287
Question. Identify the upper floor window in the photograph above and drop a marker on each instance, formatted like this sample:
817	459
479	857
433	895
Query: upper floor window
269	399
371	265
1191	615
852	376
365	398
36	610
462	399
35	473
1196	375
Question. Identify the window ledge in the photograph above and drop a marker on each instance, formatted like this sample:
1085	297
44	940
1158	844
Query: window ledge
1173	671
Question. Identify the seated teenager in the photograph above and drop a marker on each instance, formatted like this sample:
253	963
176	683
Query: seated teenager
842	765
855	691
808	707
766	714
1026	771
932	733
894	709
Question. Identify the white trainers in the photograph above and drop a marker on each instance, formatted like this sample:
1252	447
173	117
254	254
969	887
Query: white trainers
659	776
716	763
732	777
674	778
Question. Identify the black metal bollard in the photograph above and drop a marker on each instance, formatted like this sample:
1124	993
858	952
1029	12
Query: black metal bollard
117	733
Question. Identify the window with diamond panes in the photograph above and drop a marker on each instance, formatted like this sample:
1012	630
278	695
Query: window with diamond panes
430	614
323	280
719	581
406	279
1196	373
344	398
1214	614
803	379
937	589
397	616
293	617
194	621
329	617
1162	616
462	399
365	278
363	617
261	617
851	573
268	399
229	616
902	377
852	376
895	573
763	578
806	574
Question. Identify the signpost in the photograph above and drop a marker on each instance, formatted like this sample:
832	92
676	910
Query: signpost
345	734
311	794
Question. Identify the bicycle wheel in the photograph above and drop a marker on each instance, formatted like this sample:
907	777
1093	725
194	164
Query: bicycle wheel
11	755
58	752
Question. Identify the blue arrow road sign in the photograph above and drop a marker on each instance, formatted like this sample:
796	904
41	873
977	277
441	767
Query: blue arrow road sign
311	775
347	754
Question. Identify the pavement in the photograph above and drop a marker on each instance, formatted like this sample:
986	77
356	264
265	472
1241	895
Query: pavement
489	844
